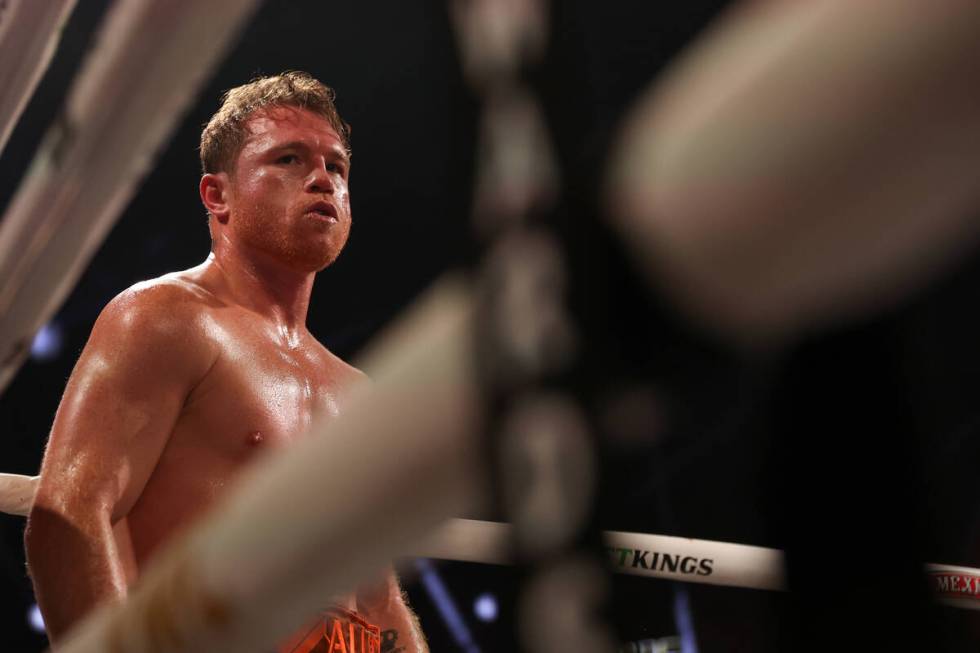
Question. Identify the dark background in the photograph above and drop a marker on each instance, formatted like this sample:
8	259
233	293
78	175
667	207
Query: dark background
856	450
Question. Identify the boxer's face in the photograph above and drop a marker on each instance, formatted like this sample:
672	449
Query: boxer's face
288	192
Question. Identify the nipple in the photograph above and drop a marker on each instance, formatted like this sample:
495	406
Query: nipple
255	438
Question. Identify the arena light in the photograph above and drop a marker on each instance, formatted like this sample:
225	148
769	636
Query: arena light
47	342
685	621
446	606
34	619
486	608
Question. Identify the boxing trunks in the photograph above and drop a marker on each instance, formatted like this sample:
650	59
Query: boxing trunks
335	630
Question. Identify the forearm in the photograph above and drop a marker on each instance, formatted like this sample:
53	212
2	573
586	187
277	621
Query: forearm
74	566
385	606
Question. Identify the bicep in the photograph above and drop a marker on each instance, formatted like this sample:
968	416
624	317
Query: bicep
119	408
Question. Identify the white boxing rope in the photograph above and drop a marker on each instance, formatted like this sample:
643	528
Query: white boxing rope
149	61
17	493
29	35
637	554
700	182
676	558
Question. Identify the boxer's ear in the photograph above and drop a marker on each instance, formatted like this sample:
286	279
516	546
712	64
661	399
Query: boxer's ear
214	191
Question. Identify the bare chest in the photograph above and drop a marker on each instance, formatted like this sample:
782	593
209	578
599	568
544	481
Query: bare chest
262	394
257	396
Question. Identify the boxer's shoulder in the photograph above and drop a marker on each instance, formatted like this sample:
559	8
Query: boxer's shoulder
174	299
170	314
184	289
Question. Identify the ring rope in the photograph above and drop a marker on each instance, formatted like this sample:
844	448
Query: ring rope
29	36
637	554
680	559
148	64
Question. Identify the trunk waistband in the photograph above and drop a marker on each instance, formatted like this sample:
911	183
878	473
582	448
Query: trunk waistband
336	630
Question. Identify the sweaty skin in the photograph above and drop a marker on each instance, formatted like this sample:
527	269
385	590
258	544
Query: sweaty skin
188	377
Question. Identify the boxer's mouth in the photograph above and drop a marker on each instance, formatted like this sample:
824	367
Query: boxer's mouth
324	210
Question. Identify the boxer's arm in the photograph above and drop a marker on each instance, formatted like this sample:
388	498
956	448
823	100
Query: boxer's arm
383	604
118	410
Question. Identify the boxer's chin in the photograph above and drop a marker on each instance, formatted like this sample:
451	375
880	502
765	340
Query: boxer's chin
327	261
311	254
309	258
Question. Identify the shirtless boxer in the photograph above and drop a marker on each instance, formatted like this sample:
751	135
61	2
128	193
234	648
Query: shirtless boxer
188	377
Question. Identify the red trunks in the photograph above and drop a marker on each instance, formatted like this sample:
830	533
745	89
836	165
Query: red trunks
336	630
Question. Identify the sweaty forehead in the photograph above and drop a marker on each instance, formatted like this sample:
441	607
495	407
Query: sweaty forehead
268	128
